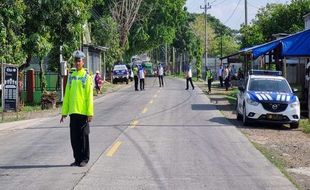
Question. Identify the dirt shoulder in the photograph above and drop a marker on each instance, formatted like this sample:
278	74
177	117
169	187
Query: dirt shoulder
290	147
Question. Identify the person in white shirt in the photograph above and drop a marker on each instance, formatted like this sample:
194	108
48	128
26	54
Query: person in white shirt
220	74
226	77
189	77
160	72
141	77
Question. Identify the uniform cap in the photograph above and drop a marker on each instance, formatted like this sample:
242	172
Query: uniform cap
78	54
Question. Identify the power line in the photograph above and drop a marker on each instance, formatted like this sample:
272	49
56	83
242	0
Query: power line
218	3
233	12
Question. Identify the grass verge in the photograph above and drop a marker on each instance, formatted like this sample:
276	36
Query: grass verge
275	160
304	124
232	96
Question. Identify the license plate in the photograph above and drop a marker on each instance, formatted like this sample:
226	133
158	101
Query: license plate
274	116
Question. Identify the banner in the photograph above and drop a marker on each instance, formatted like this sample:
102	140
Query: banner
9	87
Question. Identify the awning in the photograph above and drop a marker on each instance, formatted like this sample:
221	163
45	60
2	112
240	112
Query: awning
263	49
296	45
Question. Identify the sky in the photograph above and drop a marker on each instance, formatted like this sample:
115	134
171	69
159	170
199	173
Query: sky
230	12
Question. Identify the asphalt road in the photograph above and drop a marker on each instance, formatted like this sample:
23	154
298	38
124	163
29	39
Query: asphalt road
160	138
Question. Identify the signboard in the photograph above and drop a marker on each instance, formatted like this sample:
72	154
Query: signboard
9	87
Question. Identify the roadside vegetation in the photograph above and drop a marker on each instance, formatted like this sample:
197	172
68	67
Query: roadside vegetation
274	158
305	125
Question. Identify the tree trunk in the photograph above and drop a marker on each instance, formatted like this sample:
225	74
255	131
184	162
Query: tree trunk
42	76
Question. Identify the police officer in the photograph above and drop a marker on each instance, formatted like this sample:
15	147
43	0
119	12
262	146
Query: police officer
78	104
135	71
209	77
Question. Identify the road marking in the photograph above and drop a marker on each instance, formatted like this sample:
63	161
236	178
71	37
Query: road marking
151	102
114	148
134	123
144	110
155	96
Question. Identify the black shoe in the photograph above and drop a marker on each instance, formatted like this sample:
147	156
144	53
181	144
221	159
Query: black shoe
74	164
83	163
186	88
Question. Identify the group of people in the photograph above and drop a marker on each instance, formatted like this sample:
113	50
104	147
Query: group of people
226	74
139	76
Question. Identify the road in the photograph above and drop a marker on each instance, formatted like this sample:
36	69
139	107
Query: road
160	138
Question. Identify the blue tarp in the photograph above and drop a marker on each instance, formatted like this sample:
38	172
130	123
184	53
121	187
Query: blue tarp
296	45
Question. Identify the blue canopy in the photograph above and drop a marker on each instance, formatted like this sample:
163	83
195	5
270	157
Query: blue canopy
296	45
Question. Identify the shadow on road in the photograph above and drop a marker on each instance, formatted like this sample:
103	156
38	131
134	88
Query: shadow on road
201	107
33	166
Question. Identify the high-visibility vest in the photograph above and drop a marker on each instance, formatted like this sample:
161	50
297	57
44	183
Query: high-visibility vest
135	71
79	94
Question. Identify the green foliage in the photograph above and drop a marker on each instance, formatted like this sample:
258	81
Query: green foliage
105	33
273	19
158	22
305	125
11	35
218	35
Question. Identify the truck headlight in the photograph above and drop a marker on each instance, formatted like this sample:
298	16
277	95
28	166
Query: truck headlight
252	102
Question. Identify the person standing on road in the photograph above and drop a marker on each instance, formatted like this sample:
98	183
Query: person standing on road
220	74
135	71
78	104
189	75
209	79
226	77
98	82
160	72
141	77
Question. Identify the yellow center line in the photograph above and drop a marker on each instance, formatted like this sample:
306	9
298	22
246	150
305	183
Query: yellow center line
144	110
114	148
151	102
134	123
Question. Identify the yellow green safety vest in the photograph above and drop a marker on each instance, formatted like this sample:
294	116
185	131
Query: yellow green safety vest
79	94
135	71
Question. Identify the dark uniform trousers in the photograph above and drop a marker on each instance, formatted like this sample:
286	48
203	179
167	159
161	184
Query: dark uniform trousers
136	82
141	84
79	134
161	80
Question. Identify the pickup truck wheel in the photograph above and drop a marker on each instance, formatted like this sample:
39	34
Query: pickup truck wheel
245	120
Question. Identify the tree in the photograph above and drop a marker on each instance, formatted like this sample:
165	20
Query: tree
11	35
218	35
125	12
49	24
157	26
273	19
105	33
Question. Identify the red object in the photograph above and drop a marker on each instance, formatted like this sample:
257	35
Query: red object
30	85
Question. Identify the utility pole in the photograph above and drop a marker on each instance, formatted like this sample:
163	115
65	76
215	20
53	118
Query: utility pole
246	12
206	7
